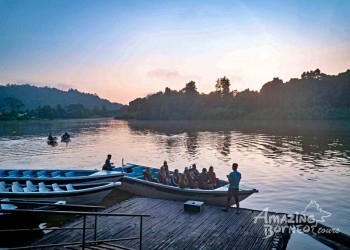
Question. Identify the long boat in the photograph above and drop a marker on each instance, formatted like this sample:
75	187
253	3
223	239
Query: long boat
80	193
134	182
59	176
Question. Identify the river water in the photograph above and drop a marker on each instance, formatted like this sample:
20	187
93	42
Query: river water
290	163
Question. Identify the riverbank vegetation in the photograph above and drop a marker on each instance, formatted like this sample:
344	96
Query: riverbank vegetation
16	111
313	96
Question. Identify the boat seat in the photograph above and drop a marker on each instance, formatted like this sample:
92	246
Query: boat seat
17	189
13	173
43	188
16	183
3	184
28	173
7	206
56	174
41	173
69	187
56	188
27	190
31	186
4	189
70	174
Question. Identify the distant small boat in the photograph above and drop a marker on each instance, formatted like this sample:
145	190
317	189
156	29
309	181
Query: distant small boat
65	137
134	182
80	194
52	139
59	176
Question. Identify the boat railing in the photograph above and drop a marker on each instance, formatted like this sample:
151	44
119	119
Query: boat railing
84	243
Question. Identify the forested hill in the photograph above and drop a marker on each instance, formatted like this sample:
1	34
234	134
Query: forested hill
32	97
314	95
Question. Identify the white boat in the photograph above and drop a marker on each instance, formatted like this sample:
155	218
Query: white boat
134	182
82	193
60	176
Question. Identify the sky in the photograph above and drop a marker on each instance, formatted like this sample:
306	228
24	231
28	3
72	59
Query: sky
122	50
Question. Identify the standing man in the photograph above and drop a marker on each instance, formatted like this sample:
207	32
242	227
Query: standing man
108	164
234	178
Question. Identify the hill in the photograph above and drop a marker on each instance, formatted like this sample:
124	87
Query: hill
32	97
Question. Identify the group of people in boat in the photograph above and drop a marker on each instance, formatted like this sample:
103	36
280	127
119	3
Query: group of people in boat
191	177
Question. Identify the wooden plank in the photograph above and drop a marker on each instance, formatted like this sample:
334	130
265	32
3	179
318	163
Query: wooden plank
169	227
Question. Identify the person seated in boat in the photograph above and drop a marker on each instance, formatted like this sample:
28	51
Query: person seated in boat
204	180
183	181
193	176
147	174
175	178
166	169
161	178
108	165
66	135
50	138
212	175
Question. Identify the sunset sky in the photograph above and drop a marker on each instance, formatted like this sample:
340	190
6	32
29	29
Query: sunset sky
122	50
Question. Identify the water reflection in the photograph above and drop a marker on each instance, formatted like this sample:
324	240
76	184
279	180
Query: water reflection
301	140
290	163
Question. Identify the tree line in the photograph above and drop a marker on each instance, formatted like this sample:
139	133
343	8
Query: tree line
14	109
313	96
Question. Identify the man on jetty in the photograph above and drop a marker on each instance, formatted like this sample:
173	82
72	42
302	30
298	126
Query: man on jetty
234	178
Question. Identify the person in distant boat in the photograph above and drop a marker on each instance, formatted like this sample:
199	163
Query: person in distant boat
175	178
66	135
234	178
161	178
108	165
50	137
204	180
147	174
183	181
212	176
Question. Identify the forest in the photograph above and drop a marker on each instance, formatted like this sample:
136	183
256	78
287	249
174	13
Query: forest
314	95
23	102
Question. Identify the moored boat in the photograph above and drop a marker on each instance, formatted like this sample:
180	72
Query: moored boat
134	182
59	176
81	193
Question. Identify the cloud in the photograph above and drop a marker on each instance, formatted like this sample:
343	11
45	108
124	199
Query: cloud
163	73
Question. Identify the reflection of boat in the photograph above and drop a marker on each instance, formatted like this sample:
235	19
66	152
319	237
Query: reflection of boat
73	194
59	176
134	182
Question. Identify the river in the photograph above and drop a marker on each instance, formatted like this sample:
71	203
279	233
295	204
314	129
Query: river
290	162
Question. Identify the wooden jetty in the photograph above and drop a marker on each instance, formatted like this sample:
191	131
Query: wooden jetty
170	227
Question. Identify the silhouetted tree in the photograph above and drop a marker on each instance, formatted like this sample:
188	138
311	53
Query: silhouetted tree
223	85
